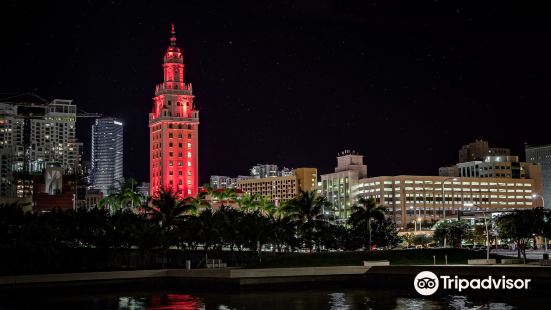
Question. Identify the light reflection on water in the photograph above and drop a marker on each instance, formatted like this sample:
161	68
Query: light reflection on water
304	299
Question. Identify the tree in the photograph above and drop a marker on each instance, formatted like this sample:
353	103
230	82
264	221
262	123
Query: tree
282	232
521	226
305	211
408	239
257	230
256	202
11	222
478	235
385	233
422	240
225	195
166	207
364	213
126	197
454	231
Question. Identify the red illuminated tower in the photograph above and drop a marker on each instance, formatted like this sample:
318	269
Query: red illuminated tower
173	130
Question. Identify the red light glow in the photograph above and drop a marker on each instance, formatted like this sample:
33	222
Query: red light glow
173	128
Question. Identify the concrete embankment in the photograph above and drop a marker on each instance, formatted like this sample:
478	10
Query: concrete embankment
233	278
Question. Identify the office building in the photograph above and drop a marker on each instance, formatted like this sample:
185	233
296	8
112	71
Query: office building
478	150
173	127
404	194
542	155
106	172
337	186
279	189
410	198
449	171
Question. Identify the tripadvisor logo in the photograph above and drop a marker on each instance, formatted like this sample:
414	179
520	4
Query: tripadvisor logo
427	283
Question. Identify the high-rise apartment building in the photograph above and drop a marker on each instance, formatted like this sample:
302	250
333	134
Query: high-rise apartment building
222	181
542	156
173	128
106	172
34	135
264	171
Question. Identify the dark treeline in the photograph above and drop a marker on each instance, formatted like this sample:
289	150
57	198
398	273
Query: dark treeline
167	232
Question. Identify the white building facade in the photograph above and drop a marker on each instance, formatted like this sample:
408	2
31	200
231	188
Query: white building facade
106	172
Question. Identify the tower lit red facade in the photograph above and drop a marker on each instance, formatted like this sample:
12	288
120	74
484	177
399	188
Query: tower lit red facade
173	130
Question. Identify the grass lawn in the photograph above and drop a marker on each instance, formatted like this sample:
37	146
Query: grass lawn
396	257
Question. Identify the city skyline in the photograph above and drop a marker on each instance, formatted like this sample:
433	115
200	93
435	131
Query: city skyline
364	78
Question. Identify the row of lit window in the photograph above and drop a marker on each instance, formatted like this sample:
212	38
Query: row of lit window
159	145
425	189
447	182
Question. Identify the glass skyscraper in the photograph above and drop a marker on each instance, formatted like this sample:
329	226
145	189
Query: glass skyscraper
107	155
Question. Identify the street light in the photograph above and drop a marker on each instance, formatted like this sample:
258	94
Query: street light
487	231
416	220
534	196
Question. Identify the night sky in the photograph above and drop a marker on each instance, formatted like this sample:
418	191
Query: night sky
405	83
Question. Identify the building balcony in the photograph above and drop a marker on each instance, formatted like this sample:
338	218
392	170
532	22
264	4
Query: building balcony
160	119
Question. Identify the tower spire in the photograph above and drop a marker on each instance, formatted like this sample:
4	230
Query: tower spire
173	37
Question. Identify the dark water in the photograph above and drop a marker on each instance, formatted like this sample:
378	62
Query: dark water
276	299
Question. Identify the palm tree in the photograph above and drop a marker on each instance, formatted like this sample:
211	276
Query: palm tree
305	211
166	206
364	212
126	197
248	202
266	207
112	202
257	203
